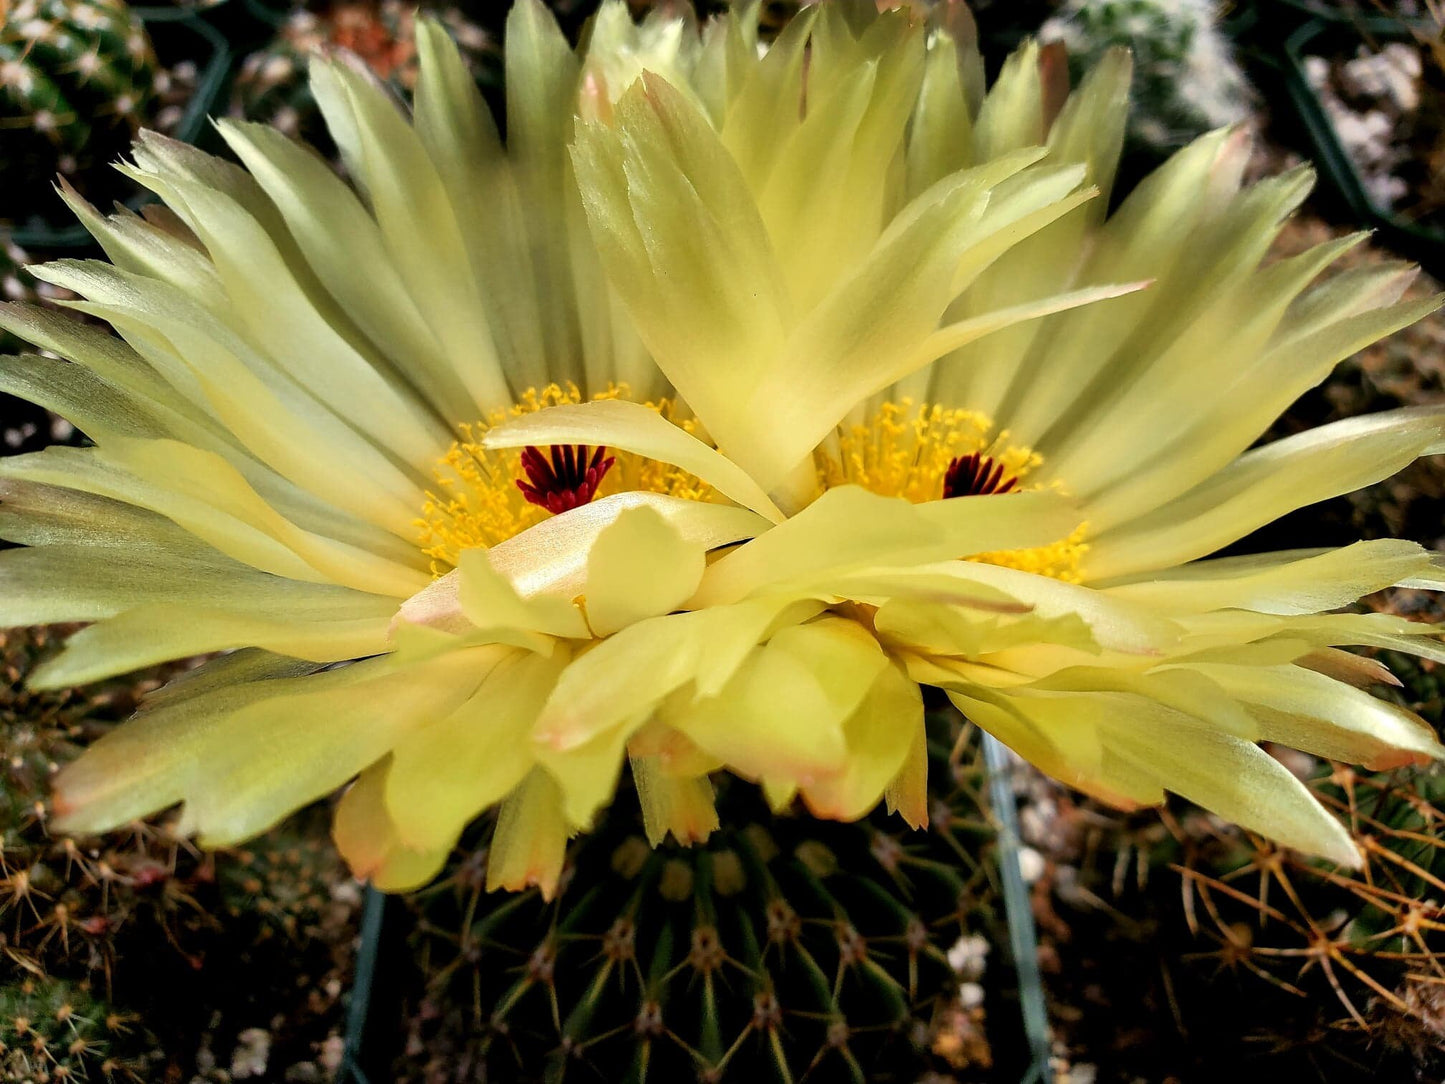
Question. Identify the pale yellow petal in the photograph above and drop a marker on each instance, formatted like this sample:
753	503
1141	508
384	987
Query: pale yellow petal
456	127
542	76
367	839
704	252
161	631
1315	713
352	717
242	757
143	766
848	528
907	792
343	246
1308	585
625	677
1240	782
114	361
673	804
640	566
1218	429
270	414
782	715
530	842
1264	484
942	629
446	773
552	556
419	228
546	565
208	497
476	597
587	775
881	735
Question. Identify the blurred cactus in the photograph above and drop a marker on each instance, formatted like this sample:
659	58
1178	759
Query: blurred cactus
271	85
283	881
783	948
1369	944
55	1031
1186	80
16	283
66	897
77	79
199	951
1274	965
24	427
62	901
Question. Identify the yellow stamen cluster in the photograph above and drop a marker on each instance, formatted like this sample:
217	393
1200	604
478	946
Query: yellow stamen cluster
476	503
1061	559
904	450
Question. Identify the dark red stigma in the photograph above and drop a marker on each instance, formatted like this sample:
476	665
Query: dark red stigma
976	475
569	479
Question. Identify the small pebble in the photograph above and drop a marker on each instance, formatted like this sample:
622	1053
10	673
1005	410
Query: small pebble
970	995
1031	864
969	956
253	1050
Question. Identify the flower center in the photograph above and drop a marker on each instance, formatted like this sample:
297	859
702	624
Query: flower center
484	496
976	475
568	480
923	452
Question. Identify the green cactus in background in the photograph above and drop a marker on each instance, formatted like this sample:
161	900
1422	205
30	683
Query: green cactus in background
60	902
66	897
241	956
1186	80
16	283
77	79
52	1031
24	427
284	880
271	85
1275	965
38	730
1363	951
783	948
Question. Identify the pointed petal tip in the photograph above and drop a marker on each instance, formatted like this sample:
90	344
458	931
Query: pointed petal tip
542	879
65	817
1351	856
71	816
1404	758
363	867
67	808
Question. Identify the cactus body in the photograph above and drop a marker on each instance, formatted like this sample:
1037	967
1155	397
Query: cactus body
783	948
1277	966
169	960
1186	80
272	85
55	1031
77	78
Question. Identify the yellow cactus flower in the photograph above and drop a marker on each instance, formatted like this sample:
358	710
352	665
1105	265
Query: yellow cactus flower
1029	521
292	459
